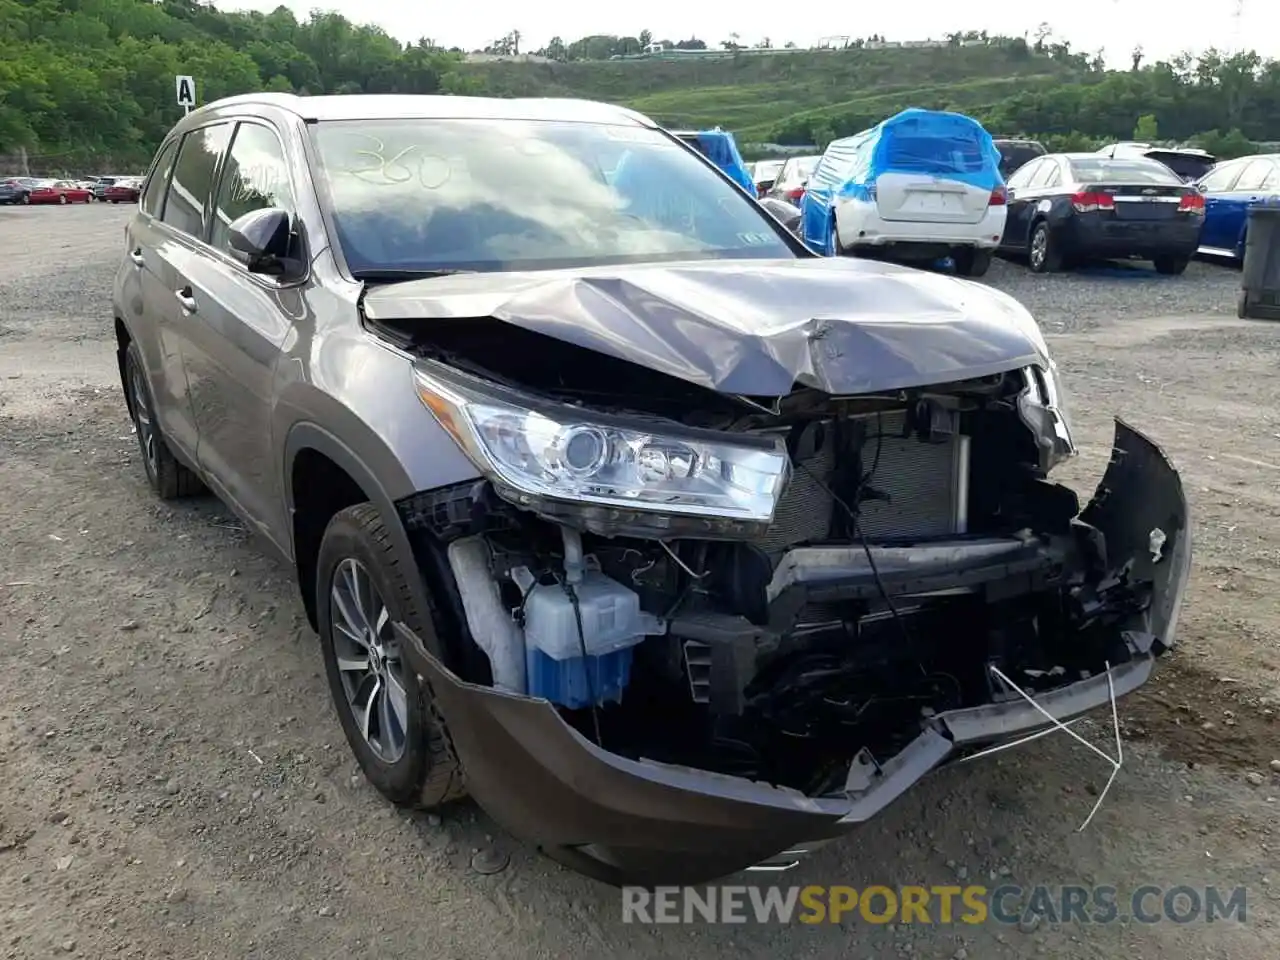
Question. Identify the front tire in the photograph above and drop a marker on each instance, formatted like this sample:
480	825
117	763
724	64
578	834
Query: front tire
1043	255
62	199
361	591
1171	266
833	248
168	478
971	262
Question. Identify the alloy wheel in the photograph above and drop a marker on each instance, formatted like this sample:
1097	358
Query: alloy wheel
1039	247
368	658
143	423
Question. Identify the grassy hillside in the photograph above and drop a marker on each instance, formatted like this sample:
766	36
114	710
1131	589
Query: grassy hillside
753	94
1067	99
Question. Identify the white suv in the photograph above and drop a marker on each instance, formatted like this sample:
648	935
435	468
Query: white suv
923	205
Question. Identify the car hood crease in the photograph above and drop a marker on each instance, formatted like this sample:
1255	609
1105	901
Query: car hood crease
749	327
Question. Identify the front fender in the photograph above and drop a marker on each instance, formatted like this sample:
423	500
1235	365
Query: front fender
358	408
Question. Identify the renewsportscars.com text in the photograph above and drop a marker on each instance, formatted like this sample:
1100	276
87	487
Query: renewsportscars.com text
973	905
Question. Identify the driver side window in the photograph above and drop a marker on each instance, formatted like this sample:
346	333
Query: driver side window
254	177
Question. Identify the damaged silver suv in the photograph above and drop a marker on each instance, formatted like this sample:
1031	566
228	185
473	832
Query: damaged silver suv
678	547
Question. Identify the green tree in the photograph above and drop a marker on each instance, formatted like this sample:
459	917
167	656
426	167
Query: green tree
1146	130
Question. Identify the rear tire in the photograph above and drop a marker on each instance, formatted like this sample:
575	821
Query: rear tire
1043	255
62	199
407	758
971	262
169	479
1171	266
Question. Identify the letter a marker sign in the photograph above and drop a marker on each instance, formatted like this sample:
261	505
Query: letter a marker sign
186	87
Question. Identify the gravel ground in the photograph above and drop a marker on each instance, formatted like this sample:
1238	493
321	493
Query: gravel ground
173	782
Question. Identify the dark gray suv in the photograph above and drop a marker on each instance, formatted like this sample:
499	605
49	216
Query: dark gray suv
678	547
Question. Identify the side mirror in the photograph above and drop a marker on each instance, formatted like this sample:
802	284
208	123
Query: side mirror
261	239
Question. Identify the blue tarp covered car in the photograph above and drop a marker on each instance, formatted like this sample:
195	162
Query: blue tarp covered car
921	185
720	148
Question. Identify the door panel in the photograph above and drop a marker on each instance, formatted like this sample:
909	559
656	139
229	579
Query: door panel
177	237
152	282
231	352
1220	212
1017	219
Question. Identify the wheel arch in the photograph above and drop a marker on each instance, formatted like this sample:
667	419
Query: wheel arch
317	451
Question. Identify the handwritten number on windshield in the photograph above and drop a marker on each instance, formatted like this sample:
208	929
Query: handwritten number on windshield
430	171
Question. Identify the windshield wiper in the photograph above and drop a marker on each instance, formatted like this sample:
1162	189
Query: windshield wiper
396	276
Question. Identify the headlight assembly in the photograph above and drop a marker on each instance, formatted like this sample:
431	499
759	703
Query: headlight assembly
538	451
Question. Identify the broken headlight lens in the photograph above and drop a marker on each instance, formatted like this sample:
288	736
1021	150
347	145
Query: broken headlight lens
1043	406
540	449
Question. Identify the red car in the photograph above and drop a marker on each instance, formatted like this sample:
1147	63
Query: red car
123	191
58	191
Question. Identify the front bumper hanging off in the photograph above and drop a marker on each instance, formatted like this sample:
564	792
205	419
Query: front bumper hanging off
638	821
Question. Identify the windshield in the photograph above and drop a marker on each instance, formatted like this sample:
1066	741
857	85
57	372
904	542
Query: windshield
426	195
1123	171
768	168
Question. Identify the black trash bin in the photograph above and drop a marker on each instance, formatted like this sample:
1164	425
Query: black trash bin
1260	278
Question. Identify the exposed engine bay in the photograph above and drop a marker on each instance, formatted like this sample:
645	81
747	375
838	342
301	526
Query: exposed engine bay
916	542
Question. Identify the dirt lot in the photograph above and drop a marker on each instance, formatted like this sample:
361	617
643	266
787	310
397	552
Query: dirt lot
173	782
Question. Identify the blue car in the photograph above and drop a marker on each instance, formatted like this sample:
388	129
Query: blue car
1230	189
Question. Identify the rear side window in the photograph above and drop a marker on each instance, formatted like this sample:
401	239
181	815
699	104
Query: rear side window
153	196
193	178
254	177
1046	174
1023	175
1222	177
1255	174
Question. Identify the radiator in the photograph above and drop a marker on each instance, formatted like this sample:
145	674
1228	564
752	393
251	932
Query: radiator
926	486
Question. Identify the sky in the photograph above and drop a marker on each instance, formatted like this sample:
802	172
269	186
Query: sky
1163	27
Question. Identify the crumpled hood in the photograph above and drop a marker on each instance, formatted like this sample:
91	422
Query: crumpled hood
753	327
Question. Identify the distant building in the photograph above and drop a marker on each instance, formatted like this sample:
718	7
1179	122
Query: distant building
506	58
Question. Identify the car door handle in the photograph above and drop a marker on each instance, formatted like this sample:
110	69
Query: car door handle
187	301
136	257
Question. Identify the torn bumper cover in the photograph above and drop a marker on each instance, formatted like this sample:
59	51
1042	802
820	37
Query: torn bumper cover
612	817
